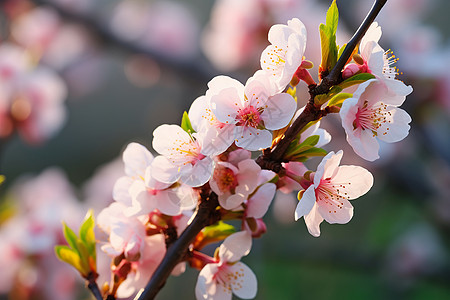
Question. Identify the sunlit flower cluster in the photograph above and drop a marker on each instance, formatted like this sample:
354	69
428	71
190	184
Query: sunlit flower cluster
211	153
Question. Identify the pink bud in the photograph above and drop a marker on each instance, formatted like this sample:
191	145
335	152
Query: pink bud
350	70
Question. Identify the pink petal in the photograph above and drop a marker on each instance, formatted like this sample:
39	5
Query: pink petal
279	111
259	203
163	170
398	129
136	158
165	137
200	173
235	246
313	220
355	181
244	284
334	214
207	288
251	138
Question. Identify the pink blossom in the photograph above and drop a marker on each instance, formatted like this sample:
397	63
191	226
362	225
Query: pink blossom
142	193
281	59
31	100
251	109
379	62
373	114
234	180
126	234
217	136
227	276
182	157
331	188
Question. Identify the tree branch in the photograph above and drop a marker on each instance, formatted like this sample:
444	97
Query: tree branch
206	215
93	287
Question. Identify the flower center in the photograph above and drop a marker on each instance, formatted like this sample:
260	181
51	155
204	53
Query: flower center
372	118
225	179
249	116
331	194
185	152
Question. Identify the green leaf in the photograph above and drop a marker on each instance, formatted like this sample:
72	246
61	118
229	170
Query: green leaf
339	99
69	256
220	229
87	234
314	152
332	17
71	237
355	79
2	178
186	124
328	39
310	141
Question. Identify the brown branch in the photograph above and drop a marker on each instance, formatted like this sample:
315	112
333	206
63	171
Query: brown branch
206	215
93	287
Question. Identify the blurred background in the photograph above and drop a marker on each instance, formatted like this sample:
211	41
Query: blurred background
80	79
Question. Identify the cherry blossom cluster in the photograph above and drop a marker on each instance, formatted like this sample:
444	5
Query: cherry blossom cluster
31	98
209	158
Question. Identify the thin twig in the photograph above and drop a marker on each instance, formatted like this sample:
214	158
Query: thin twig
93	287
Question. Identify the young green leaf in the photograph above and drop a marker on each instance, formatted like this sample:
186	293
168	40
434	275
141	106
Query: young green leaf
71	257
186	124
355	79
339	99
2	178
332	17
71	237
87	234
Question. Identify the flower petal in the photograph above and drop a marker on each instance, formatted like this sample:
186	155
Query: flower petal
136	158
279	111
259	203
251	138
306	203
244	283
200	173
163	170
397	129
235	246
313	220
352	181
334	214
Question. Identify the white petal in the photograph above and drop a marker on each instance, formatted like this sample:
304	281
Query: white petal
244	284
217	140
142	202
366	146
259	203
163	170
306	203
207	288
334	214
120	190
329	164
221	82
372	34
168	202
233	201
166	136
252	139
200	173
197	112
398	88
355	181
136	158
235	246
279	111
398	129
313	220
